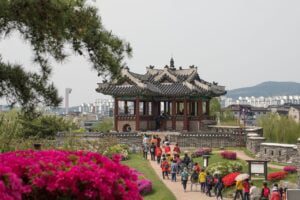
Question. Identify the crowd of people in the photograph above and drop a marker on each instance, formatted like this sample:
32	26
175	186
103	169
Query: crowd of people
173	166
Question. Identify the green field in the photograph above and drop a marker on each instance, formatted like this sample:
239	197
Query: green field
160	191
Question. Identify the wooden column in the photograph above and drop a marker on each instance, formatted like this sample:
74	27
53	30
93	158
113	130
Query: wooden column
174	115
185	121
207	107
116	113
137	114
200	111
147	114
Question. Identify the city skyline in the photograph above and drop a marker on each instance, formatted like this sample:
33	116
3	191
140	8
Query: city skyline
226	41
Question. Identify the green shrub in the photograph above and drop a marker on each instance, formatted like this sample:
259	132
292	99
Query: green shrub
117	149
224	168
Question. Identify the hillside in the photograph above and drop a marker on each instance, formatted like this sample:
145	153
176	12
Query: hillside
269	88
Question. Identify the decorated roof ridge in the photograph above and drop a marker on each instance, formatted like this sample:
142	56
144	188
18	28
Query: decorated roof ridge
161	82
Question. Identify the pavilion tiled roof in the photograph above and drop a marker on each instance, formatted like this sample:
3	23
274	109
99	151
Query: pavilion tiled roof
168	82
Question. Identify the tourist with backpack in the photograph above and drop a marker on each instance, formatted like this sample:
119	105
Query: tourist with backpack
165	168
265	193
145	151
254	192
202	179
152	151
209	183
246	188
184	178
194	179
174	170
158	153
219	187
238	189
275	195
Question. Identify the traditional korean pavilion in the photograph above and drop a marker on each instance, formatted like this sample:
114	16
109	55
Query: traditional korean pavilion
168	99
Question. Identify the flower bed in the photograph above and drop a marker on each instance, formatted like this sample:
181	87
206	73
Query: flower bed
277	176
229	179
201	151
290	169
229	155
224	168
57	174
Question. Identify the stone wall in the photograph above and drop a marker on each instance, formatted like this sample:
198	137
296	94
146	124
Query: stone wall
209	139
253	143
130	139
284	153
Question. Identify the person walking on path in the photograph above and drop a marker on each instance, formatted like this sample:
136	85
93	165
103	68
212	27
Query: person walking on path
275	193
254	192
202	178
194	179
209	183
246	188
238	190
265	193
177	149
197	168
145	151
158	153
165	168
167	149
184	178
174	170
152	151
219	187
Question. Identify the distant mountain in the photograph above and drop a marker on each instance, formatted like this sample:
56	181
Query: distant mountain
270	88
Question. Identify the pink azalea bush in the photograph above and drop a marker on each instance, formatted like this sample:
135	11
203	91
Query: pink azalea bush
290	169
55	174
229	155
145	186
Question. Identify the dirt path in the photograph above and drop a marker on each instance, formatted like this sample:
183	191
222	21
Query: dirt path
177	188
241	155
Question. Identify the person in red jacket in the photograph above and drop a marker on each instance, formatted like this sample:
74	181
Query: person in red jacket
167	149
158	153
176	149
246	188
275	195
165	168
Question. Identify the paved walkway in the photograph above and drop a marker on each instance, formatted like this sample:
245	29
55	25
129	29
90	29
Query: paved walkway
177	188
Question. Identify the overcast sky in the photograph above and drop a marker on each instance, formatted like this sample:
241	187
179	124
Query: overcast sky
235	43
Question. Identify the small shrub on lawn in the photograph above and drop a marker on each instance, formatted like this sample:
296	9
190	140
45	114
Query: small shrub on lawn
277	176
229	155
290	169
201	151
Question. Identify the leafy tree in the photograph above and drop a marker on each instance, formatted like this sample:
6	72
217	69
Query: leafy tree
49	26
214	107
45	126
103	126
279	128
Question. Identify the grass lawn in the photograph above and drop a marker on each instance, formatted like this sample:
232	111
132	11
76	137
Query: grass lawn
160	191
